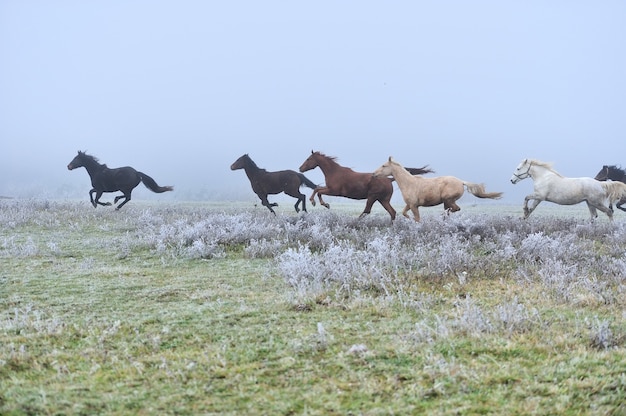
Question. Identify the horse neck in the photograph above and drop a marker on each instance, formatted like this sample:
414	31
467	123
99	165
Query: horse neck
617	175
93	167
251	170
327	165
538	172
400	174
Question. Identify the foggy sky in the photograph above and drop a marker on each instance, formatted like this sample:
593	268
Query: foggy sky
179	90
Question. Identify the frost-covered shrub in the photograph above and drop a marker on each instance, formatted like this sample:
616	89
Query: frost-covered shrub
199	249
601	336
264	248
469	318
9	247
515	317
341	267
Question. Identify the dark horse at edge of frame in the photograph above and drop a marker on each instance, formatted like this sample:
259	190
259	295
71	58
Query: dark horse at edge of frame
343	181
266	183
104	179
613	173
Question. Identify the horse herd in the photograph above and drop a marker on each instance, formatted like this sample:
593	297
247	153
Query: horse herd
608	185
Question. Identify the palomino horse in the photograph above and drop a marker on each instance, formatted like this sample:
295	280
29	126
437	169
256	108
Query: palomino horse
613	173
428	192
266	183
552	187
103	179
343	181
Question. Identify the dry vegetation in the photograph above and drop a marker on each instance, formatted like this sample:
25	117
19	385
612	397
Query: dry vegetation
204	308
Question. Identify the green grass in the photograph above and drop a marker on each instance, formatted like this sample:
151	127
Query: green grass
92	322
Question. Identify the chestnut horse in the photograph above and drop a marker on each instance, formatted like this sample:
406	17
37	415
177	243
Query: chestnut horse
104	179
343	181
266	183
428	192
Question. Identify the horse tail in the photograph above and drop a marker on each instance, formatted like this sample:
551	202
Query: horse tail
615	190
152	185
306	181
478	189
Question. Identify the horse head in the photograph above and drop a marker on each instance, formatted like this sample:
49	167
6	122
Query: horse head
611	172
241	163
311	162
78	161
522	171
603	175
385	169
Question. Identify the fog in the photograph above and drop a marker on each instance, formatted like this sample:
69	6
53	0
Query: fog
179	90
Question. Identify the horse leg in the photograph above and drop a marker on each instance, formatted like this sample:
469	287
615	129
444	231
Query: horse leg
93	202
416	212
301	199
96	201
319	191
117	198
620	203
267	204
528	211
389	208
299	196
405	210
450	206
594	214
312	198
368	207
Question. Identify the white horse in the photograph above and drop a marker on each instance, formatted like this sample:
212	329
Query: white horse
428	192
552	187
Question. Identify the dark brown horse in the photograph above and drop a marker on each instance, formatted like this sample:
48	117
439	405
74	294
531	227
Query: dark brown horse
343	181
266	183
104	179
615	174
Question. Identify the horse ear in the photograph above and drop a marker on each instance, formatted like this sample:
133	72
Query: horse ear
312	151
390	158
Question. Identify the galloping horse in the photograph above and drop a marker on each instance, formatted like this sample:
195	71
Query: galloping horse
615	174
343	181
551	186
103	179
266	183
428	192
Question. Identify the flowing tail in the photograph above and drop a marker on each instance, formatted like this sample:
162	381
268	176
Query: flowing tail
615	190
478	189
306	181
152	185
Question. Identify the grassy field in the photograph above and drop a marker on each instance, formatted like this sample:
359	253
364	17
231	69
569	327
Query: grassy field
199	308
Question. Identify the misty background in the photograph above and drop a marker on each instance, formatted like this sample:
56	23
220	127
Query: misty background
179	90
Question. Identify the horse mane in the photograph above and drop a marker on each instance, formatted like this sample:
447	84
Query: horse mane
84	154
545	165
333	158
249	159
92	158
616	168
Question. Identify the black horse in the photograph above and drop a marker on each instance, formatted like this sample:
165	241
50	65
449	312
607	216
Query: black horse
615	174
103	179
266	183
